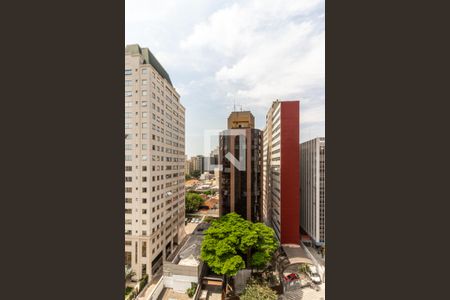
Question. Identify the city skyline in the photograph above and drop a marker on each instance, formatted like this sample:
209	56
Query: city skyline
247	63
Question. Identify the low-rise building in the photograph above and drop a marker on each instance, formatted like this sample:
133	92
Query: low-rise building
184	266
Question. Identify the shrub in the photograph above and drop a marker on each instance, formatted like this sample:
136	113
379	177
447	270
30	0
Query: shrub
256	291
191	291
143	282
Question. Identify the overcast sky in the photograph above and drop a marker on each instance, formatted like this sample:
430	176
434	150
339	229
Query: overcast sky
218	53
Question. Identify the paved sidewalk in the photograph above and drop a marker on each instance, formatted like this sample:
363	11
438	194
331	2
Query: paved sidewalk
151	286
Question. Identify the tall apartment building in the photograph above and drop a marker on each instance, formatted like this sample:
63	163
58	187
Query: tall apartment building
240	183
312	189
281	171
198	163
154	163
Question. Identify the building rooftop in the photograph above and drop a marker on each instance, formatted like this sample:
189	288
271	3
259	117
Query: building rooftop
241	119
149	58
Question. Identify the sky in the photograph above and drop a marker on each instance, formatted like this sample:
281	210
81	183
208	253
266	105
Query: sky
244	54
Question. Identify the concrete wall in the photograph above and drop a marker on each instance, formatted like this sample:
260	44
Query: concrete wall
179	277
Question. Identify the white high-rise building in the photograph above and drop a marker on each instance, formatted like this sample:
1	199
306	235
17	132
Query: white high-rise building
313	189
154	163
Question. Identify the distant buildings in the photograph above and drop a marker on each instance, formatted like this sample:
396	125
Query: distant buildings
154	163
212	160
281	170
198	164
240	182
313	189
187	165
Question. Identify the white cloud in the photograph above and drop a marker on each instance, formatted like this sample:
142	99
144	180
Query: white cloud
222	51
270	49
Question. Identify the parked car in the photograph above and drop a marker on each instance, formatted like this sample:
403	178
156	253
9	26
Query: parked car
291	277
314	275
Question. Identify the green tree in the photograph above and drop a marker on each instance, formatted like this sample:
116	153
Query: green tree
264	247
187	177
230	240
255	291
193	202
195	173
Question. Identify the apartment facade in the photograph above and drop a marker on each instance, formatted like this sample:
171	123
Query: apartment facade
281	171
154	163
312	189
240	184
198	163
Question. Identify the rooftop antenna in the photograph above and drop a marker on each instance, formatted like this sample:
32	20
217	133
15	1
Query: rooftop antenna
234	105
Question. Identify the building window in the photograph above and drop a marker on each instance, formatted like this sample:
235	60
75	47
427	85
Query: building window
144	71
128	93
128	71
144	93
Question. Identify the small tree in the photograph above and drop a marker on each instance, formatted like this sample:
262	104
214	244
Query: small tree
303	268
196	174
255	291
193	202
191	291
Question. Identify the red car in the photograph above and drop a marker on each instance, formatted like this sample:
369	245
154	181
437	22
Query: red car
291	277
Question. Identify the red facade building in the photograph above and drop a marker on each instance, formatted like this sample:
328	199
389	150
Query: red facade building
281	171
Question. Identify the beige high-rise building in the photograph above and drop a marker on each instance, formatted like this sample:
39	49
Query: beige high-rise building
241	119
240	186
154	163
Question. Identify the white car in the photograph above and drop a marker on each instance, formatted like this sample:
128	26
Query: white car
314	275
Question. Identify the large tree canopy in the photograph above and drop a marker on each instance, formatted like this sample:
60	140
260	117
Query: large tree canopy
229	239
